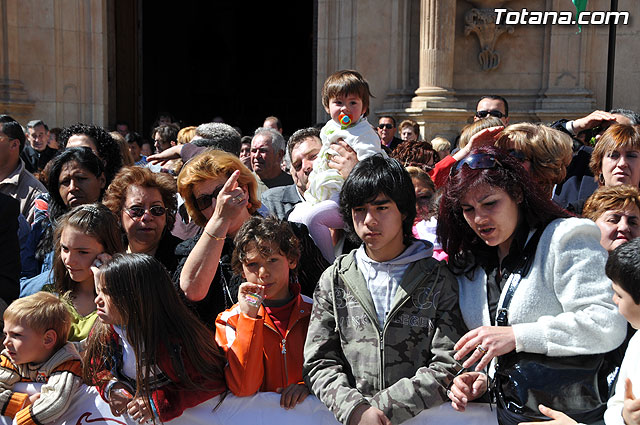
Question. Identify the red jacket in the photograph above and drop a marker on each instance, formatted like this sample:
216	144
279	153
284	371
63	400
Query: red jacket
440	172
171	398
259	358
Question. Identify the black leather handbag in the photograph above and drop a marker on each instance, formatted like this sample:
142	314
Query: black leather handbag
574	385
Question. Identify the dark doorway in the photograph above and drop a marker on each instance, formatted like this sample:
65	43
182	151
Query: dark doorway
236	60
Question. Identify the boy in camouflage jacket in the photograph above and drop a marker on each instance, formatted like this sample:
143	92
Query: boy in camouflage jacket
385	317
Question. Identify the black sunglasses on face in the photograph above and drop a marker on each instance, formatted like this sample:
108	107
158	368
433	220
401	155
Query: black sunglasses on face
383	126
204	201
493	113
138	212
477	161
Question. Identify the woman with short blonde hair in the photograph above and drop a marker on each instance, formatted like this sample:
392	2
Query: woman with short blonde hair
543	151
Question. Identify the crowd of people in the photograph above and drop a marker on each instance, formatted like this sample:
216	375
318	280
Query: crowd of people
383	276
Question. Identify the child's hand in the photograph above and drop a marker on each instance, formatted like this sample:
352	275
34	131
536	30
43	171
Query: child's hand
33	397
139	411
250	296
119	396
292	395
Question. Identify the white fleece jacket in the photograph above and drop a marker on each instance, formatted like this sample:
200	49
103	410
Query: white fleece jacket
563	306
325	182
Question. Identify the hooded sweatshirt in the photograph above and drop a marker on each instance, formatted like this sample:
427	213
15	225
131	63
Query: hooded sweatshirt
384	278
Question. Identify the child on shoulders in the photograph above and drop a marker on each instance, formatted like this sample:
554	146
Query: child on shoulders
345	97
36	350
263	334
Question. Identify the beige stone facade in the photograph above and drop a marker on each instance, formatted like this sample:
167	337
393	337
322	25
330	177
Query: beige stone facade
422	58
53	56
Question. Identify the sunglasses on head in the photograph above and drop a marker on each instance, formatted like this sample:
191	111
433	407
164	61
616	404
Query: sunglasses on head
138	212
477	161
383	126
493	113
204	201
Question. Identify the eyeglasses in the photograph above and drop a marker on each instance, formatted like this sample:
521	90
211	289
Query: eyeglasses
477	161
493	113
383	126
138	212
204	201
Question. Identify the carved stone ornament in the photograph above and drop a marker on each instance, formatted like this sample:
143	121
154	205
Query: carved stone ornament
482	22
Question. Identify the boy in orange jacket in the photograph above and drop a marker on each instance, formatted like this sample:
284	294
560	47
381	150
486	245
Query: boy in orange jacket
263	334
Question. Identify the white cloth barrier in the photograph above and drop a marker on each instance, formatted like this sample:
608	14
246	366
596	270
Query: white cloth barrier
88	407
474	414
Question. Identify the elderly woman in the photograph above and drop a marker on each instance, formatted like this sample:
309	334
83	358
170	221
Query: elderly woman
145	204
616	211
220	195
531	281
544	152
409	131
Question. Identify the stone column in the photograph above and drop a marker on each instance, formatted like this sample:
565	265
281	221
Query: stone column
434	106
437	40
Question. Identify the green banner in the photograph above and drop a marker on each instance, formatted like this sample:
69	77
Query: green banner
581	6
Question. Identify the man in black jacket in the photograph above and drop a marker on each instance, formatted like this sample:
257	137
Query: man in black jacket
36	152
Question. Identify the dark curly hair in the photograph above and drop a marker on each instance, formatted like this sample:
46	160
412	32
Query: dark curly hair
265	233
416	154
108	149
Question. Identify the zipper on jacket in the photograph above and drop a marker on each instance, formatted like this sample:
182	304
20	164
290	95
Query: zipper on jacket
381	342
284	354
283	351
384	328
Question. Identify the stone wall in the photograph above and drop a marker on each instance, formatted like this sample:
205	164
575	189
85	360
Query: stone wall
418	55
53	58
423	62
